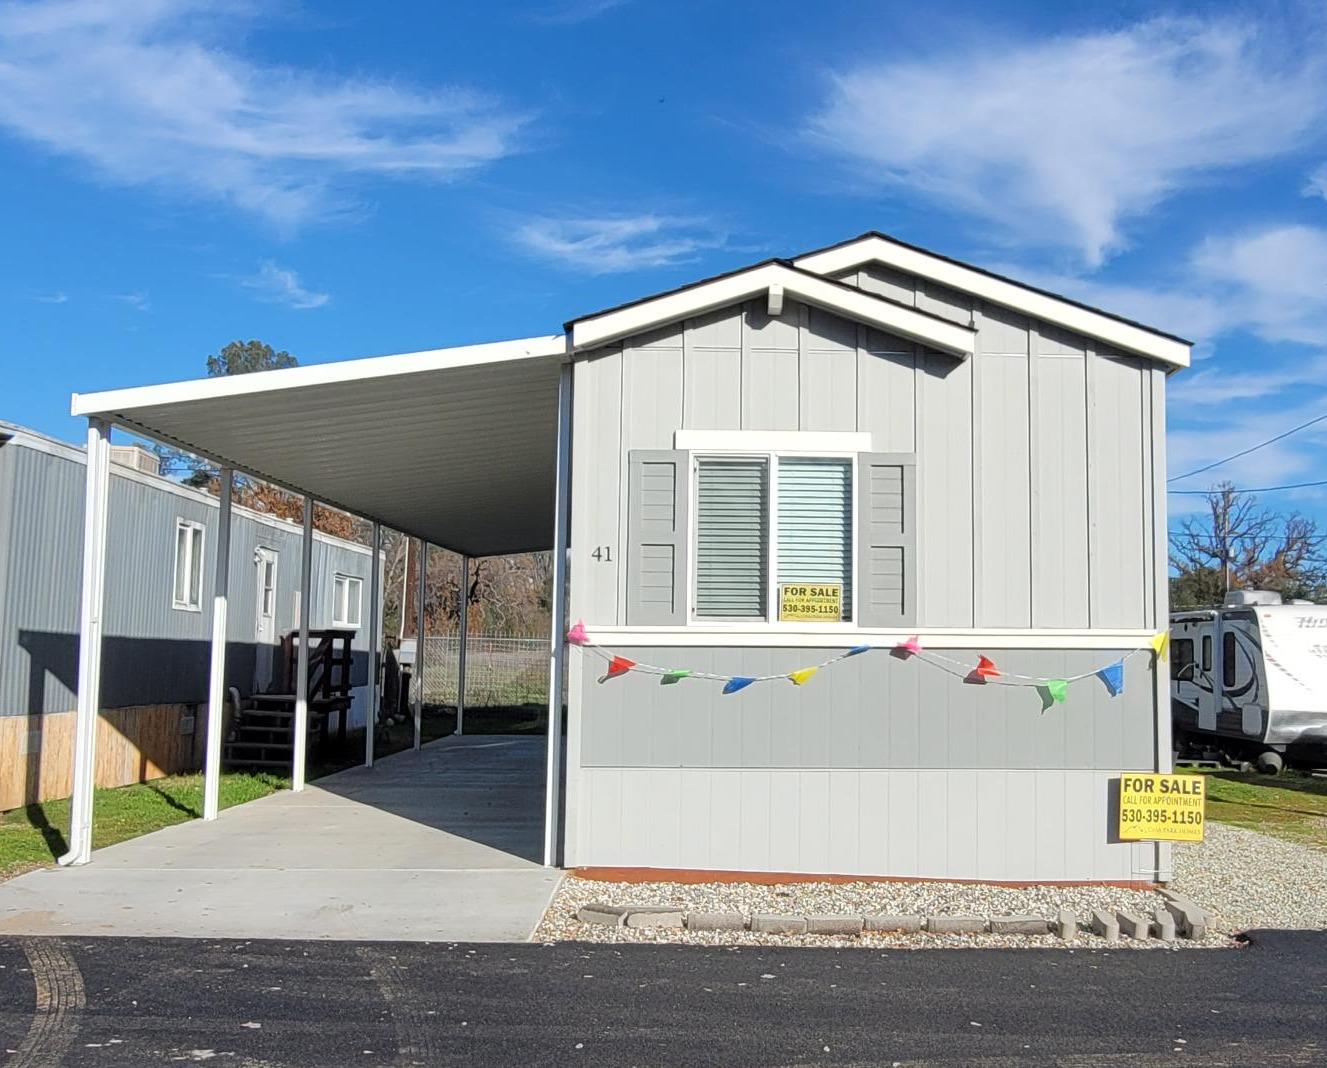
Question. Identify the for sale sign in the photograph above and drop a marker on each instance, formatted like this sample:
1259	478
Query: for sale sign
1169	807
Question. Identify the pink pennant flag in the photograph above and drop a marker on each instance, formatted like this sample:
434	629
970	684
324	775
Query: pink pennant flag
577	635
911	647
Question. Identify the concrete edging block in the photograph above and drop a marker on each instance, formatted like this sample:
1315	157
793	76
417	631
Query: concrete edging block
1019	925
1133	926
715	921
956	924
772	923
835	925
1066	924
606	915
653	917
1105	925
893	924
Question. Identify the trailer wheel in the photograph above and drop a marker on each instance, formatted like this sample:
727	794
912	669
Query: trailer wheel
1270	762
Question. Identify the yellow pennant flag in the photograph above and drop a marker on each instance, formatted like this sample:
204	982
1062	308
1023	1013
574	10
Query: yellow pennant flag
1161	644
802	675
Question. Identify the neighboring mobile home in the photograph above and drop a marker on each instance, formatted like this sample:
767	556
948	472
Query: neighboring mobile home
867	445
159	599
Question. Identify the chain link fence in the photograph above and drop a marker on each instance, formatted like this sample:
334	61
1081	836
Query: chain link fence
499	672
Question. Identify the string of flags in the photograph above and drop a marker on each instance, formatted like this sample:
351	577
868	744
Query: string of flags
984	672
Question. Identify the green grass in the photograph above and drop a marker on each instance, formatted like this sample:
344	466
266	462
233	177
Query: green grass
1290	806
32	837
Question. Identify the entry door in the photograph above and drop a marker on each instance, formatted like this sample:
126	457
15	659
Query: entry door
1241	684
264	624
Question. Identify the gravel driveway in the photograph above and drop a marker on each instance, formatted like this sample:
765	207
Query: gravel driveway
1246	879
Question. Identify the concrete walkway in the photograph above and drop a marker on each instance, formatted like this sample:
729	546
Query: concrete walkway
439	845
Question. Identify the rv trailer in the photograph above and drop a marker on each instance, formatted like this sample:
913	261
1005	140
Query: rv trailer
1248	680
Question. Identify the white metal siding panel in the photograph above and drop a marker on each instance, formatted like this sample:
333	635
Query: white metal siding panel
828	392
770	360
887	395
1003	528
597	488
713	371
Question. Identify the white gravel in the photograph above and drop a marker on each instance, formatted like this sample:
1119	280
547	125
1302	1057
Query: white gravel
1245	879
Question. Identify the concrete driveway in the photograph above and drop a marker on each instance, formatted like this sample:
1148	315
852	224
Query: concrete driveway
439	845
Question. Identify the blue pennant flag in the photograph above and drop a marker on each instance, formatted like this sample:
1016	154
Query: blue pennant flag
857	649
1113	676
741	682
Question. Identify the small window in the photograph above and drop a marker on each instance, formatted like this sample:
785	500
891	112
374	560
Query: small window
1228	658
347	591
1181	659
187	593
1207	652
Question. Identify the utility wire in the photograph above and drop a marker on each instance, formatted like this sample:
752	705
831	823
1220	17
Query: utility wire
1259	489
1251	448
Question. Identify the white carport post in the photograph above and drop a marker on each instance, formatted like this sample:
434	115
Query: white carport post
300	736
216	686
462	628
375	640
95	510
419	641
557	659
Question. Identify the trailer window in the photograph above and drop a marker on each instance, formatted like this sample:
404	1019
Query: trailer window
1228	658
1207	652
1181	658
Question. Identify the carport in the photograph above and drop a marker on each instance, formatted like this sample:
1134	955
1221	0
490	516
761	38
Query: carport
464	448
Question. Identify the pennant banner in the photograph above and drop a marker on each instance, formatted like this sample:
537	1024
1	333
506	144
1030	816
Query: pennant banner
983	672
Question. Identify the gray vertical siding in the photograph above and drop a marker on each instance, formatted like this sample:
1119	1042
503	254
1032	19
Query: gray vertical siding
1033	478
154	652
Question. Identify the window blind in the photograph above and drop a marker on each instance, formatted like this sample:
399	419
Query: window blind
815	523
732	544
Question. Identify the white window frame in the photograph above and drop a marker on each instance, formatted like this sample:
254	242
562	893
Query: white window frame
771	620
193	566
337	621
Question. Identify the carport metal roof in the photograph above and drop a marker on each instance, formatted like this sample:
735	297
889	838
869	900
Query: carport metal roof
456	446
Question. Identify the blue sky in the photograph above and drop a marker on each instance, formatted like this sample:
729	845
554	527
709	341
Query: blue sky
342	179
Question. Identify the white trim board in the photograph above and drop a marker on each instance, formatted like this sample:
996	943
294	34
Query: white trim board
810	441
845	636
862	307
877	249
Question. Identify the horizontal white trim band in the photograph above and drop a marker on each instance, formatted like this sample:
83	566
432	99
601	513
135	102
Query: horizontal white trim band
788	637
772	440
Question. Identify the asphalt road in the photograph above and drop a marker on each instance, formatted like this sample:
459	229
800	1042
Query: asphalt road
111	1002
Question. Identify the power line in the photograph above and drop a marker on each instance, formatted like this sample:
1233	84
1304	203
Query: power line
1259	489
1252	448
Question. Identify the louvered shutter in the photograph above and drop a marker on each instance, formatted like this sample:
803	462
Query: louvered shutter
815	523
887	539
732	538
657	496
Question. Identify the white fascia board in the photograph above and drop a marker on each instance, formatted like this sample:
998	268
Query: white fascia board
113	401
834	636
852	304
1130	338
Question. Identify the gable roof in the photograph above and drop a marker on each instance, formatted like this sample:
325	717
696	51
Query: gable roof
889	316
875	247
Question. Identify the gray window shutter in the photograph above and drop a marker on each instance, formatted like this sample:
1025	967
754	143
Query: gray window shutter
887	539
658	492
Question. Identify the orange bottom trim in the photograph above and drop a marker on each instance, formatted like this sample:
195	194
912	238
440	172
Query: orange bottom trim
775	878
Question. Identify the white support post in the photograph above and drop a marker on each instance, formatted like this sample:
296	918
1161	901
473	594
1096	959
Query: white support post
216	686
300	737
419	641
95	512
375	641
557	656
462	631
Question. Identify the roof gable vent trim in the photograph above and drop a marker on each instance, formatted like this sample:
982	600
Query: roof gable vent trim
1104	326
760	281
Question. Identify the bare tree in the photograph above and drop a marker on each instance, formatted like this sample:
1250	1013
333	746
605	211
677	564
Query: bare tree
1238	544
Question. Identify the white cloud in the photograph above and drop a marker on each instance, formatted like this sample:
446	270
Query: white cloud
143	91
279	285
1061	141
137	300
1317	183
606	245
574	12
58	297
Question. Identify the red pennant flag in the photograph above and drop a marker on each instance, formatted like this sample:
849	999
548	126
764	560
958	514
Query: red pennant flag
619	665
986	668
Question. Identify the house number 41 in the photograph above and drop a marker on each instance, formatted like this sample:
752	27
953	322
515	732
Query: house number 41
603	553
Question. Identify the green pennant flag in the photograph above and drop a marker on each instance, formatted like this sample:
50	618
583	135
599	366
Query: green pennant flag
672	677
1058	689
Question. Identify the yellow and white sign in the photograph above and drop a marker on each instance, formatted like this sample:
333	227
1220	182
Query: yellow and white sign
808	602
1170	807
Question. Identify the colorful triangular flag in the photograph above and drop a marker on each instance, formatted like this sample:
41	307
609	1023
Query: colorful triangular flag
1161	644
857	650
802	676
911	647
1113	676
738	682
986	668
619	665
672	677
577	635
1058	690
